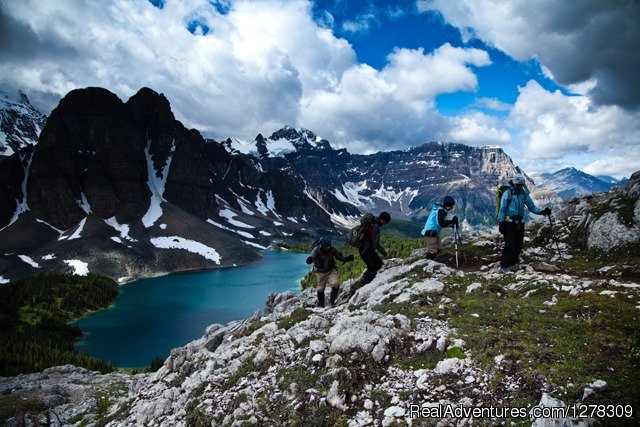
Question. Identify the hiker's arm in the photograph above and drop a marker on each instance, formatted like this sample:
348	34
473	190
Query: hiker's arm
312	255
341	257
532	206
380	249
442	222
503	206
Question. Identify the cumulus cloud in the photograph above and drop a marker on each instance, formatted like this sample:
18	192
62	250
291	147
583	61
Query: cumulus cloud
394	106
477	128
553	125
247	74
493	104
576	41
616	166
245	68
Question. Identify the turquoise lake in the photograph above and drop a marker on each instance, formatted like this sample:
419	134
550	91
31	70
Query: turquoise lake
151	316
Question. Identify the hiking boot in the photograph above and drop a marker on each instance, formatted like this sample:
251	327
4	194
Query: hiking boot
334	294
321	298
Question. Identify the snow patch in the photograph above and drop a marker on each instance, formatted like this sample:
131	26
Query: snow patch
292	219
84	203
123	229
3	280
163	226
229	215
47	224
351	194
80	268
77	234
22	205
264	233
175	242
29	261
241	233
254	245
49	257
156	186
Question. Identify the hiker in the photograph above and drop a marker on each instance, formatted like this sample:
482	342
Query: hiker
511	220
435	223
324	256
369	245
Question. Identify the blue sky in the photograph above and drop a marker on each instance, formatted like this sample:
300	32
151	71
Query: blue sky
553	83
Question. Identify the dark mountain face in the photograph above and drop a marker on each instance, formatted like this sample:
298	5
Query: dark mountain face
125	181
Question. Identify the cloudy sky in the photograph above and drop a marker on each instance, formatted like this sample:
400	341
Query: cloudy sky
555	83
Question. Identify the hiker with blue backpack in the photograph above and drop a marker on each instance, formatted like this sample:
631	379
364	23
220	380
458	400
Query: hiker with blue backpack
436	221
511	219
323	257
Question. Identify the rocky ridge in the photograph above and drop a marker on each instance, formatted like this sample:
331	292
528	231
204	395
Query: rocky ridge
422	333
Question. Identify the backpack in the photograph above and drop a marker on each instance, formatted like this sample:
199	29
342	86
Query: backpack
318	240
358	233
499	192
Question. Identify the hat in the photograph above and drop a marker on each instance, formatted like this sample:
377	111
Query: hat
385	216
325	242
448	201
518	179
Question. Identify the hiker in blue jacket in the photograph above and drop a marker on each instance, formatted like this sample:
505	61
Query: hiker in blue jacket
511	221
436	221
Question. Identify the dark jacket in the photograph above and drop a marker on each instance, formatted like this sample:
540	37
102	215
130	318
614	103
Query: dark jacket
324	262
373	239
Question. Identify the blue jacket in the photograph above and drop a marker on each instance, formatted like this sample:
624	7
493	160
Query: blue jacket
432	223
519	200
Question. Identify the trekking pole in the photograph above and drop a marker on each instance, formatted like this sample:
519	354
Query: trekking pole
455	240
553	235
464	254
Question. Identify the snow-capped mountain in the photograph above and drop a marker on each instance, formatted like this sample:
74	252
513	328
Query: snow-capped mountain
20	122
403	182
284	141
571	182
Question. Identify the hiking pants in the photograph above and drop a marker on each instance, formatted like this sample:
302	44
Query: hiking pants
513	240
434	246
373	262
330	276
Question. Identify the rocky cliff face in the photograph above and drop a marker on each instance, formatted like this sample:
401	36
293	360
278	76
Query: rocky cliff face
605	220
405	183
128	191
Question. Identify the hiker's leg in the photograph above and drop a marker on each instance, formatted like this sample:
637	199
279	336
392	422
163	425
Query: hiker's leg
334	281
322	282
373	262
509	246
432	246
439	244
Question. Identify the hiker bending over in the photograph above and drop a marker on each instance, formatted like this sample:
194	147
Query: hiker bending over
511	220
324	258
371	244
435	223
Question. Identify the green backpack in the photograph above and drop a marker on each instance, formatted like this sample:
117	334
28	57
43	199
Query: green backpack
358	233
499	192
